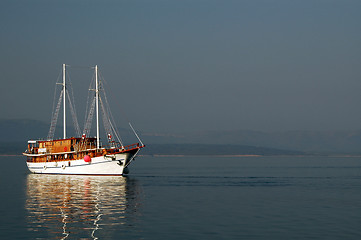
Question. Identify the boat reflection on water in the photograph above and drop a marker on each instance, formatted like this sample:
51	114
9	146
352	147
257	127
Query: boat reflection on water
76	207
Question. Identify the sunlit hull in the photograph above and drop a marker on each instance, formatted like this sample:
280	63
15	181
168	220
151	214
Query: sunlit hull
103	165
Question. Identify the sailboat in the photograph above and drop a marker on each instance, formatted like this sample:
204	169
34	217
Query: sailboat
82	155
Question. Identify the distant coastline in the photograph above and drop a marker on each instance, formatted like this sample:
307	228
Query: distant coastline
198	155
11	155
16	133
255	156
225	155
199	150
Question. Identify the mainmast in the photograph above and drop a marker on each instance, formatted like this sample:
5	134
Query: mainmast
97	103
64	112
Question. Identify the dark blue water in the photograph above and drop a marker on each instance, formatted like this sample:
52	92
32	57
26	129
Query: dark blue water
187	198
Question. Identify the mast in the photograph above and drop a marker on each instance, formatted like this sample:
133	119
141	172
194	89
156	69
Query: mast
64	112
97	103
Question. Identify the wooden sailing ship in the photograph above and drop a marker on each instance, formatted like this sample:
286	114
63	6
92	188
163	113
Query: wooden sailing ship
81	155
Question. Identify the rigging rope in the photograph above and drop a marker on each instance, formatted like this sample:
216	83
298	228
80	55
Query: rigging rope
71	100
87	109
55	87
111	118
73	114
55	118
123	114
108	126
108	119
89	120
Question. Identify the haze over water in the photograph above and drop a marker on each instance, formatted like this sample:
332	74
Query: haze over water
188	198
190	65
185	66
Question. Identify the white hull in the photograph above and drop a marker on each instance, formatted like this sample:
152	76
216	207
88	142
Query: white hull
103	165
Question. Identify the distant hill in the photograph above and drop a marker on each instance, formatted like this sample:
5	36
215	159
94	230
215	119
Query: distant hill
178	149
16	133
12	148
213	150
16	130
253	142
320	142
306	141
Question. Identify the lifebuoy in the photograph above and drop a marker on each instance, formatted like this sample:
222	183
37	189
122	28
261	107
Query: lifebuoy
87	158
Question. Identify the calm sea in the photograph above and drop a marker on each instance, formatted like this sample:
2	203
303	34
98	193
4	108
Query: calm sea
187	198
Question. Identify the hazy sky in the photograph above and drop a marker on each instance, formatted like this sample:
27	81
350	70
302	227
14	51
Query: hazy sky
190	64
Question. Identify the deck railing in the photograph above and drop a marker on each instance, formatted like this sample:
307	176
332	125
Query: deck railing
130	147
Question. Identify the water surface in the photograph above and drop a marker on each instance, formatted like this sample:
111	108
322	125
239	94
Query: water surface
188	198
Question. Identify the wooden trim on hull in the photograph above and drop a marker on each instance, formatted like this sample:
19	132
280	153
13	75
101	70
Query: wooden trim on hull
74	156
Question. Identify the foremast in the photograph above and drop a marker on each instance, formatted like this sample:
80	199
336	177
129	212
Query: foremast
97	104
64	103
